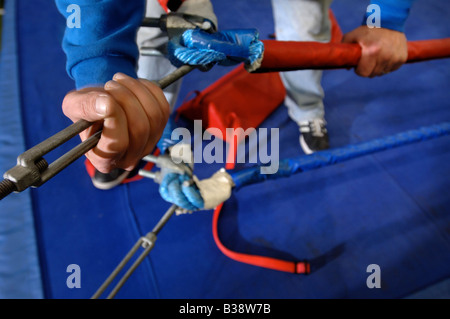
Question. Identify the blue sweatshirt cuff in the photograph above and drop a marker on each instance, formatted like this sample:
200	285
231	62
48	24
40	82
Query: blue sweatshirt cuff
97	71
105	42
394	13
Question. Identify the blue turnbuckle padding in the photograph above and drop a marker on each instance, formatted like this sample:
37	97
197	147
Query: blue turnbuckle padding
227	48
178	189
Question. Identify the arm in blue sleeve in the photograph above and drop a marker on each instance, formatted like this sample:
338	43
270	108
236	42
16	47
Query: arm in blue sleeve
105	43
394	13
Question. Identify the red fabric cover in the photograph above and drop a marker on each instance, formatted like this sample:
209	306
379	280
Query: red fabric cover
336	32
238	99
289	56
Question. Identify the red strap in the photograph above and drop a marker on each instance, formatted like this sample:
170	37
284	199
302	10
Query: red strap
302	267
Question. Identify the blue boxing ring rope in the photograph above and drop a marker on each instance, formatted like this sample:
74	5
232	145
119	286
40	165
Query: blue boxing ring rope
291	166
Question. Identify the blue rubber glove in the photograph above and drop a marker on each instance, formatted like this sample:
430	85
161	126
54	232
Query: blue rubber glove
230	47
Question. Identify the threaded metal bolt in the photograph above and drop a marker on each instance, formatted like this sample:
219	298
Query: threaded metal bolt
41	165
6	188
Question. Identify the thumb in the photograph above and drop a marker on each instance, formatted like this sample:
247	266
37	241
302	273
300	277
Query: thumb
90	106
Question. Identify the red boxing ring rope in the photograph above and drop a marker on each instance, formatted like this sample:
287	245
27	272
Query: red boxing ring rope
288	55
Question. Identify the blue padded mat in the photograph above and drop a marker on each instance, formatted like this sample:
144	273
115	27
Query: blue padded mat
20	275
390	209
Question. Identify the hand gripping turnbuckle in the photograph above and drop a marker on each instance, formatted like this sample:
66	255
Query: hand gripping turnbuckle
32	170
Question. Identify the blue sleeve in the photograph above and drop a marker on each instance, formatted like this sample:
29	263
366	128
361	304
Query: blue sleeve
105	43
394	13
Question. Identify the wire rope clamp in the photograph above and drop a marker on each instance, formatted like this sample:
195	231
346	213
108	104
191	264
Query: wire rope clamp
148	240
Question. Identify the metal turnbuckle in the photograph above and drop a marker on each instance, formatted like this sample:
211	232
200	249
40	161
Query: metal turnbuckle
147	242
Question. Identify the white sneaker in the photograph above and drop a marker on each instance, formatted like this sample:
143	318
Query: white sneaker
314	136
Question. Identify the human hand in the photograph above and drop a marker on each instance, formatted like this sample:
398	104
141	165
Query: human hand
383	50
132	114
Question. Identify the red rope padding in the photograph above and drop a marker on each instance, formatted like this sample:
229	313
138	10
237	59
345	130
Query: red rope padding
289	55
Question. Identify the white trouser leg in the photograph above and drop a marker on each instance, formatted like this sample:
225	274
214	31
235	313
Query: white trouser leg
152	64
303	20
